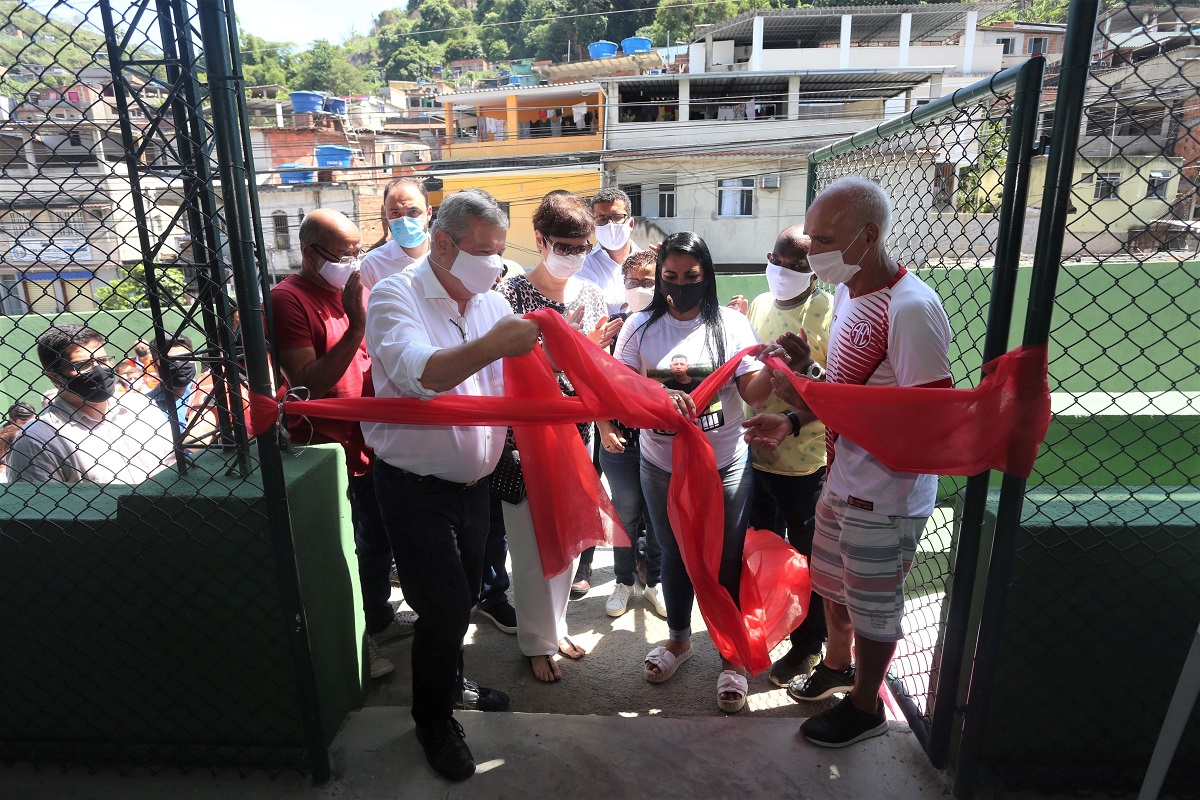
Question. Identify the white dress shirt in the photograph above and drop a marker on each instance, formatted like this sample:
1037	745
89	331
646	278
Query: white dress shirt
409	318
388	259
600	269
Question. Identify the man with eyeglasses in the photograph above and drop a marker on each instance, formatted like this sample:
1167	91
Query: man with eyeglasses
320	325
614	226
85	433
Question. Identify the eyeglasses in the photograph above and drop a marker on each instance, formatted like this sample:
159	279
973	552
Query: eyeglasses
89	364
564	249
798	266
647	283
345	261
604	219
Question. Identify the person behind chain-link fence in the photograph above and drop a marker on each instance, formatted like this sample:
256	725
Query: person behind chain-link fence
86	434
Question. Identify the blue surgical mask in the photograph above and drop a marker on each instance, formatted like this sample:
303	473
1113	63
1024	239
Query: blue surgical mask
408	231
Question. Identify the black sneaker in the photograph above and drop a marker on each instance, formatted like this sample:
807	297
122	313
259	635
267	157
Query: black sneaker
480	698
822	682
583	582
845	724
503	615
446	749
792	666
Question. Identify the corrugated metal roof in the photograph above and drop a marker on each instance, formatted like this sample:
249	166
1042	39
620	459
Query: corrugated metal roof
472	96
813	27
814	84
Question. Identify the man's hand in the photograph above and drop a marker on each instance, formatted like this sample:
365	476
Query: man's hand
610	438
799	354
606	331
354	303
767	430
739	303
785	391
513	335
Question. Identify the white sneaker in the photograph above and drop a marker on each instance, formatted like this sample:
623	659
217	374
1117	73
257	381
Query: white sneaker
654	598
380	666
618	601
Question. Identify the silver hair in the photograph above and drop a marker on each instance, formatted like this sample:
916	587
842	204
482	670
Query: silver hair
868	199
459	210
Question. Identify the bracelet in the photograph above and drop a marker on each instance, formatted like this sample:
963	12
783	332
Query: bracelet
787	412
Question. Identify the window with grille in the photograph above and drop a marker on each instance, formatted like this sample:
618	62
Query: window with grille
283	236
666	200
1107	184
634	191
735	197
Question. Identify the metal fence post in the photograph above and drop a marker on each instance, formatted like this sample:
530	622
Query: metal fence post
214	18
1068	114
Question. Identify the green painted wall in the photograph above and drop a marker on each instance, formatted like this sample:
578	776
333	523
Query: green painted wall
151	615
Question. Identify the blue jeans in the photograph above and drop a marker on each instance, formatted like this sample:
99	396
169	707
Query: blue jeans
624	480
678	593
494	589
787	504
374	553
438	535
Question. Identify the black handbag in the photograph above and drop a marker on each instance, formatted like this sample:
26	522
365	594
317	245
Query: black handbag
507	482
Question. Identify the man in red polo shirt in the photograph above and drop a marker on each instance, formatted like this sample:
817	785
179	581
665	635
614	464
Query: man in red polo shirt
320	320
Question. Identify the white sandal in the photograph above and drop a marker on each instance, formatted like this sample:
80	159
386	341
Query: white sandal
666	661
730	682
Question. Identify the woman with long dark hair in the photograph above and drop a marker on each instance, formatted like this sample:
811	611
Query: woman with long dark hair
681	337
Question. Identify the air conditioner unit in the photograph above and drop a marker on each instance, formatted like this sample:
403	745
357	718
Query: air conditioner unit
768	181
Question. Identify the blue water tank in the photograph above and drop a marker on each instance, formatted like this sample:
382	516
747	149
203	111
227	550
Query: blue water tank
602	49
333	155
335	105
296	173
635	44
306	102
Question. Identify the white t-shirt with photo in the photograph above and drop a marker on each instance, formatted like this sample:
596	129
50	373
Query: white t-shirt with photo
649	349
896	336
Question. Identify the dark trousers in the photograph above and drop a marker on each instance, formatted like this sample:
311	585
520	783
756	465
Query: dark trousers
374	553
438	535
787	505
625	484
494	589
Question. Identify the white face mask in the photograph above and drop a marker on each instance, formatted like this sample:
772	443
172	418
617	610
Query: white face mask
639	299
787	284
478	274
614	235
336	273
831	268
563	267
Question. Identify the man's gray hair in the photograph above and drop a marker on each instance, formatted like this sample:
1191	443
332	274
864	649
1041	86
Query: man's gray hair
610	195
459	210
868	199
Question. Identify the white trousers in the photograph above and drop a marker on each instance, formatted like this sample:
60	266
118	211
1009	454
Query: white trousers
541	604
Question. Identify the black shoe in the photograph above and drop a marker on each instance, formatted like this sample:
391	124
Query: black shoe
582	584
479	698
822	682
503	615
792	666
845	724
446	749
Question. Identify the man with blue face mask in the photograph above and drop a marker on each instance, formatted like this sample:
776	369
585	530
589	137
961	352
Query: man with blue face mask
888	329
406	214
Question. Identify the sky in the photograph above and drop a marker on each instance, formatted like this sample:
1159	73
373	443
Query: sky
301	21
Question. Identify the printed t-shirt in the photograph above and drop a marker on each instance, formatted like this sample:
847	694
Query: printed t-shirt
803	454
895	336
649	349
307	315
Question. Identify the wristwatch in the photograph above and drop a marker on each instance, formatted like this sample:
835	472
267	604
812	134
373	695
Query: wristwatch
813	372
794	419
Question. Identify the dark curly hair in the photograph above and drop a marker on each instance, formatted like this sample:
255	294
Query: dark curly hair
564	216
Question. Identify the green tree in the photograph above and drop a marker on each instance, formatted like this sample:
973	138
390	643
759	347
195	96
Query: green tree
132	291
265	63
413	61
464	47
436	16
326	68
980	185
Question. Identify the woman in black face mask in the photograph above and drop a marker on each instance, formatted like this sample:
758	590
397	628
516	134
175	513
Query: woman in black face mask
685	326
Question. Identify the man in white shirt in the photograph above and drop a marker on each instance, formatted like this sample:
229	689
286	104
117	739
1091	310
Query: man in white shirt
84	434
433	329
614	226
888	329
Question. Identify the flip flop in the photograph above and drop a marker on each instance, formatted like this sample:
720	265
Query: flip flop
666	661
549	664
570	655
731	682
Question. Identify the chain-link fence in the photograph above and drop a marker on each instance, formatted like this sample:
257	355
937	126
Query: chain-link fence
146	562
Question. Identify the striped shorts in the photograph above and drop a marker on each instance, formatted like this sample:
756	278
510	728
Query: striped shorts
860	559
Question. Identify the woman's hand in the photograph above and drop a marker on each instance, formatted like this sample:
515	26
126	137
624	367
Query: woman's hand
606	331
575	318
683	402
739	303
767	430
610	438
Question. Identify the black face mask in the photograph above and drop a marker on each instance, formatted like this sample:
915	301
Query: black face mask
95	386
683	297
180	374
141	352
